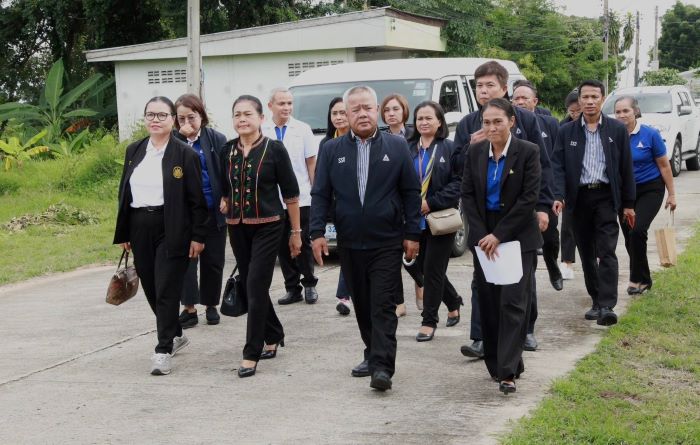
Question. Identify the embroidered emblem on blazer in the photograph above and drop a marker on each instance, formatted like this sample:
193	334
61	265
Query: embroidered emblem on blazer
177	172
517	131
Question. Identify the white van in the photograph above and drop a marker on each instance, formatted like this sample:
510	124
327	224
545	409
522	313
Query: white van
448	81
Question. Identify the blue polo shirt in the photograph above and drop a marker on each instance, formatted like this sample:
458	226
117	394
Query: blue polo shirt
494	173
424	154
647	145
206	182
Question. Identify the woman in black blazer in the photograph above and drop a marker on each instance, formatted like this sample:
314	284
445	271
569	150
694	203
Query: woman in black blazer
500	187
256	170
207	143
162	217
438	167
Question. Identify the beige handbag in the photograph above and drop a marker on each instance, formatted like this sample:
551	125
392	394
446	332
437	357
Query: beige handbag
666	244
445	221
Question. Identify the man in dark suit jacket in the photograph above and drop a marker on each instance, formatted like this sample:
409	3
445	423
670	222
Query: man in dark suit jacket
377	209
492	83
594	177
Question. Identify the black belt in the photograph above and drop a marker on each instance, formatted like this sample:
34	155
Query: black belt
150	209
594	186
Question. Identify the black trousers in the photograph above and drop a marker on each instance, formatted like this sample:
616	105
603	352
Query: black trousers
504	313
650	196
255	247
211	268
550	248
294	268
596	231
373	277
532	308
475	328
161	276
568	243
429	272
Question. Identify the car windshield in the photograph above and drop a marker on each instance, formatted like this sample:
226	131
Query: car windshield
311	101
648	103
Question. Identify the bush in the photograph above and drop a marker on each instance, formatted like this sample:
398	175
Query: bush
8	184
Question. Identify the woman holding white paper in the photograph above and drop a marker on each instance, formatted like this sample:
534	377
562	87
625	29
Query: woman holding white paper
500	188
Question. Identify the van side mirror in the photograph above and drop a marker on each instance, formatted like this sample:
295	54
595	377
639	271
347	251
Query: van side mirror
684	110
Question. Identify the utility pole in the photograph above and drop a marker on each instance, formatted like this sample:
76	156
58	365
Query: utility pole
194	58
606	37
636	53
655	62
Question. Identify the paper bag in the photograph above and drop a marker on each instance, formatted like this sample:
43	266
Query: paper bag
666	244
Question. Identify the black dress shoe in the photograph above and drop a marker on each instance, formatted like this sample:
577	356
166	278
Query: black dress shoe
593	313
425	337
380	381
558	283
247	372
607	317
530	343
506	387
213	315
361	370
343	307
310	295
452	321
271	353
291	297
476	349
188	319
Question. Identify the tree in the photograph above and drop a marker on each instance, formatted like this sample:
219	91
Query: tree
663	76
680	34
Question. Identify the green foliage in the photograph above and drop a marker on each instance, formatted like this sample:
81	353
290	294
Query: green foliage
56	111
680	34
13	152
663	76
70	146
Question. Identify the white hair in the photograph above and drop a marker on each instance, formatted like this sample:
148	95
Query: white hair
277	90
360	89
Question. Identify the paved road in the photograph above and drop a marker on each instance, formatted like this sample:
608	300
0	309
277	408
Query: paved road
76	370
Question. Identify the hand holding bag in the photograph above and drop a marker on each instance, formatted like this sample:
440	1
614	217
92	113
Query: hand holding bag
445	221
235	302
666	244
124	283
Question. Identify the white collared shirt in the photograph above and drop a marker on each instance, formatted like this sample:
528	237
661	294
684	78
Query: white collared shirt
637	127
146	181
505	149
301	144
191	142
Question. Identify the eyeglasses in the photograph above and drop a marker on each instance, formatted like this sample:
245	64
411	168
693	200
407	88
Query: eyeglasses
191	118
160	117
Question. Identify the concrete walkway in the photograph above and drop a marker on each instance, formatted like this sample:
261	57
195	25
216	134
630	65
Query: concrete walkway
76	370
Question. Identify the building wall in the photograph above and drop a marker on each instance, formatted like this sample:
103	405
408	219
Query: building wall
225	78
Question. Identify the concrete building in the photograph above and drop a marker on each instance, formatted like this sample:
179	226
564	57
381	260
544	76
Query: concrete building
255	60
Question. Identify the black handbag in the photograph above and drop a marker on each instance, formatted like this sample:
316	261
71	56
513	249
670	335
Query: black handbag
235	302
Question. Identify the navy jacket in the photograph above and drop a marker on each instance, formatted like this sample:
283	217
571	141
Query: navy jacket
568	162
446	179
212	143
519	190
391	210
185	209
550	128
526	128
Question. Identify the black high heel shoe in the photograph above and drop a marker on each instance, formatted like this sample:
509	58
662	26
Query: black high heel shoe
271	353
452	321
506	387
247	372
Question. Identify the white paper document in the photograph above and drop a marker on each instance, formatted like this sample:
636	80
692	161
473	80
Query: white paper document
506	268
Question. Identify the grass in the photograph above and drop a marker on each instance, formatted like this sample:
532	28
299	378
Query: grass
642	384
87	182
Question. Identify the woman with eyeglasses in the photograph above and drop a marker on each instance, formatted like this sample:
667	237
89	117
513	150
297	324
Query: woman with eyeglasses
256	171
192	128
162	218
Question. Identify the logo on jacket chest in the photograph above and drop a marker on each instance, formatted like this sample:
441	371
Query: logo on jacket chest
177	172
341	160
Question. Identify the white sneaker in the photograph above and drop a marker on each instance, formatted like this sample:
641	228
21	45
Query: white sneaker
162	364
179	343
567	271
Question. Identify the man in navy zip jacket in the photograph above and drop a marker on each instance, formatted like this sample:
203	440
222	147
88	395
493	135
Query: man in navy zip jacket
370	174
491	83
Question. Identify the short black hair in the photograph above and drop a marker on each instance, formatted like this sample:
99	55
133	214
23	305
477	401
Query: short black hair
164	100
248	98
442	132
592	83
330	129
571	98
492	68
501	104
524	83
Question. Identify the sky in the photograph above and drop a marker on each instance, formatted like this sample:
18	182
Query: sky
594	8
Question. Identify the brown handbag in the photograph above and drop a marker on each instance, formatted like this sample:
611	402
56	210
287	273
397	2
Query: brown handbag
124	283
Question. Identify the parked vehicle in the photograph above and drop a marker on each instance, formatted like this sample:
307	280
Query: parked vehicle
448	81
672	111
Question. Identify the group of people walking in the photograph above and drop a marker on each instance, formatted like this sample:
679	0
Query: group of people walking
512	166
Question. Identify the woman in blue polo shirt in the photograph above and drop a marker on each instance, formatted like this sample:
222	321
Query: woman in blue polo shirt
652	173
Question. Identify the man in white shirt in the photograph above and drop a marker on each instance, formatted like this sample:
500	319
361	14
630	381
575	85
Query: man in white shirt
302	147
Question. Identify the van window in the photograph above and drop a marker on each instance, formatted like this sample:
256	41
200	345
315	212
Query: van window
685	99
449	96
